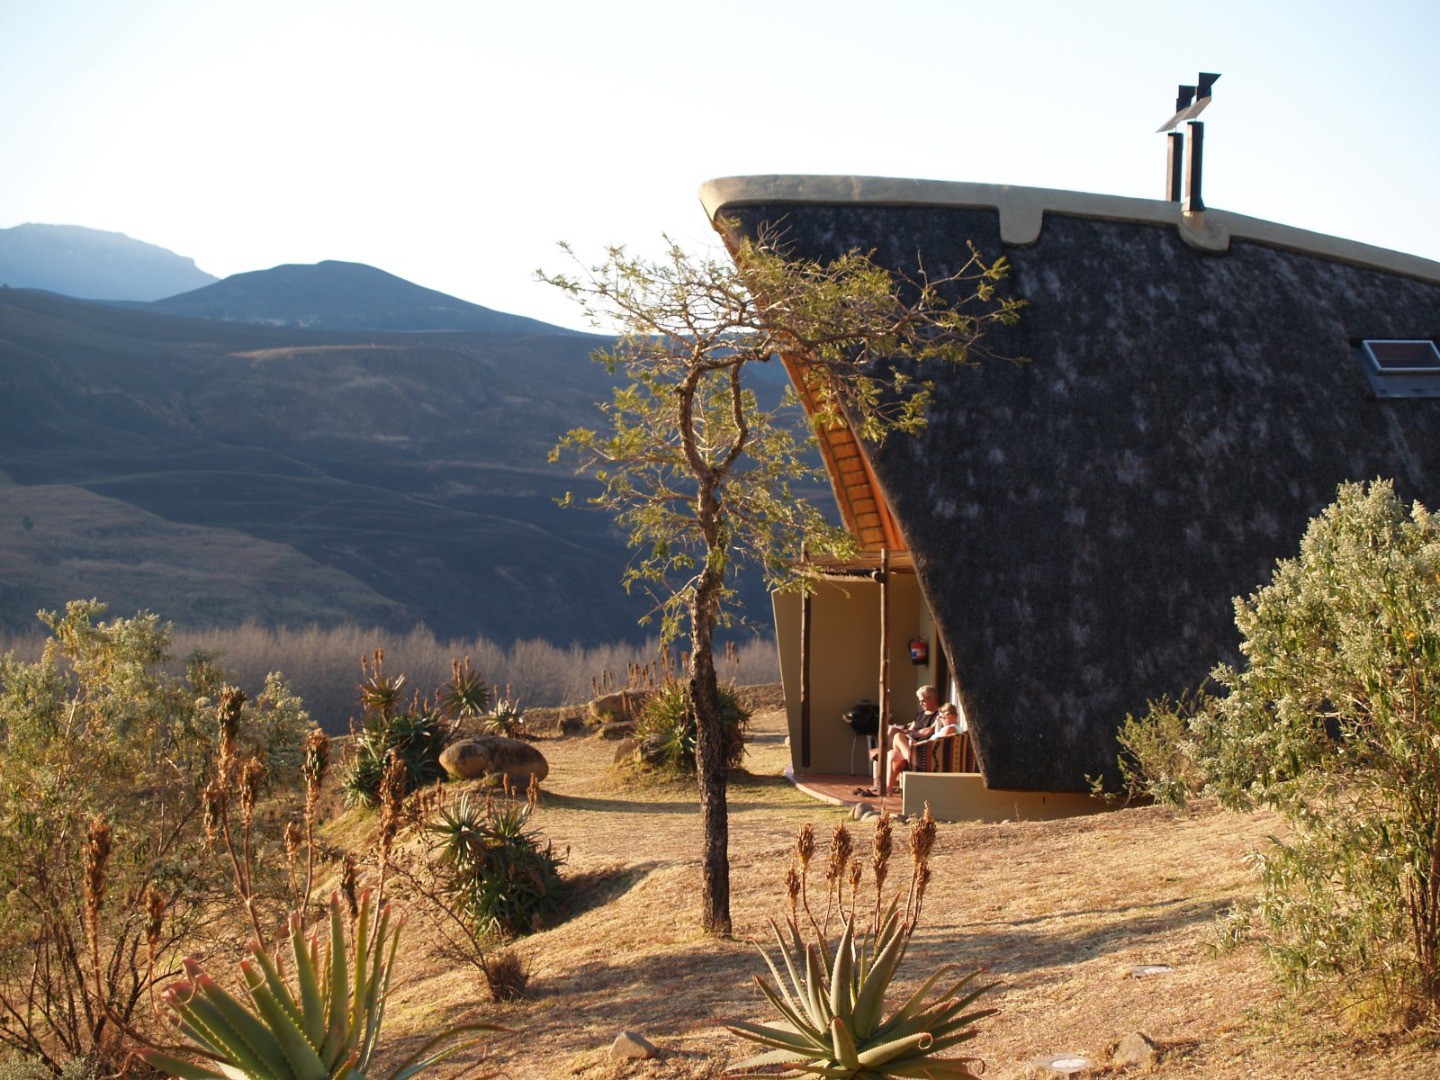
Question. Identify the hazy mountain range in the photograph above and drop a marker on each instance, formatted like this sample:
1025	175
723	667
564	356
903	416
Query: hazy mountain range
89	263
215	470
340	296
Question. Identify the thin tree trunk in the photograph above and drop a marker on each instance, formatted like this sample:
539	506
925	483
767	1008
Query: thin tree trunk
713	769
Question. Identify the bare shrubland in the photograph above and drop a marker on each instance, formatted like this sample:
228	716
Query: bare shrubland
322	664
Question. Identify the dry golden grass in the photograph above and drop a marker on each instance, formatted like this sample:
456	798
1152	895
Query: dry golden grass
1059	912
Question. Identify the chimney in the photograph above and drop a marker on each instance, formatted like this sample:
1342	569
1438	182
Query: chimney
1183	163
1192	203
1174	165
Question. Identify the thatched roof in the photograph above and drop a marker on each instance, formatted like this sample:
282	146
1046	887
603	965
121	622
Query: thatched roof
1081	523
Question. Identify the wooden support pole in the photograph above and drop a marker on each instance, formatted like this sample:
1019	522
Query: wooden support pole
805	681
884	734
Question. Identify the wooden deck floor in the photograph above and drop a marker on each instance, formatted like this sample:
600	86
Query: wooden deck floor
838	789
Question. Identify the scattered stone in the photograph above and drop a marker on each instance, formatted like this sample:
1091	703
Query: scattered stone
625	749
652	750
873	815
859	810
1064	1065
1135	1049
495	755
621	705
1145	971
617	729
574	724
629	1046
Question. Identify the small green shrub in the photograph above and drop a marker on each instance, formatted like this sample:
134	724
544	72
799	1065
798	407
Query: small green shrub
1158	756
418	735
1334	720
499	874
1230	929
666	727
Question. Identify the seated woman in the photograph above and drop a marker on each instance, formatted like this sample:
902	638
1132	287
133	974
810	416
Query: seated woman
911	750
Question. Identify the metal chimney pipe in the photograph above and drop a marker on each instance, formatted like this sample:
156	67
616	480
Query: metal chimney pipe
1174	165
1192	203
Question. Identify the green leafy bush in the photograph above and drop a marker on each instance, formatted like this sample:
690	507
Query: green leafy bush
1158	757
417	735
1334	719
419	732
499	874
107	767
667	730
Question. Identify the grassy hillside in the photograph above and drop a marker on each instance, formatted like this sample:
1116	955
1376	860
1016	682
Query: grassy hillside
1061	913
410	467
55	540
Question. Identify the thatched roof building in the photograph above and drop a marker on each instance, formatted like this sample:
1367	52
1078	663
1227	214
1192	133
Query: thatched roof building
1079	524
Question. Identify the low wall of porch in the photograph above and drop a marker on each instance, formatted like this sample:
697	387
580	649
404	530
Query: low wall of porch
964	797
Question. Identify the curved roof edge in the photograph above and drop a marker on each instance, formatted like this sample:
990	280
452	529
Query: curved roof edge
1022	211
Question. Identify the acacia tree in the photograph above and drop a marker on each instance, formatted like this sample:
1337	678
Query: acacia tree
701	475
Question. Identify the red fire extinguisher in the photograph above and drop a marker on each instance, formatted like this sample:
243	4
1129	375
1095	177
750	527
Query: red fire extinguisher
919	650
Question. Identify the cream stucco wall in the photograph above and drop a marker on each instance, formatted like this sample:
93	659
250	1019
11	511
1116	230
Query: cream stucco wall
964	797
845	663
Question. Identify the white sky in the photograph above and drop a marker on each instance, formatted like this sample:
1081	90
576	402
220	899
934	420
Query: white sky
453	142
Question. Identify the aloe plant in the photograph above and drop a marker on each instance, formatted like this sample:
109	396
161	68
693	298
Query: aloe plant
831	1001
327	1026
501	879
465	694
833	1018
507	718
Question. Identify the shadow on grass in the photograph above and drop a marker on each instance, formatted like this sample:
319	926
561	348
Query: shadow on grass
616	804
775	739
1036	944
596	888
699	977
1124	909
744	780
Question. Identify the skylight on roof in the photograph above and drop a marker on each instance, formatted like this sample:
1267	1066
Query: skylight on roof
1402	368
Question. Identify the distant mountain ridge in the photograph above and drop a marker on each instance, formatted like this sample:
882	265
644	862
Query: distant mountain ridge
308	444
333	295
92	264
232	471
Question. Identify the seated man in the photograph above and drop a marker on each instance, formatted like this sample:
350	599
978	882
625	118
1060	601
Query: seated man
904	739
927	700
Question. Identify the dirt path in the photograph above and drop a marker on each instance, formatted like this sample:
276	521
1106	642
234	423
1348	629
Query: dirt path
1060	912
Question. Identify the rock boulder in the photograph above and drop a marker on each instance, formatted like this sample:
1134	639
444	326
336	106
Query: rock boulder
621	705
486	755
1136	1049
